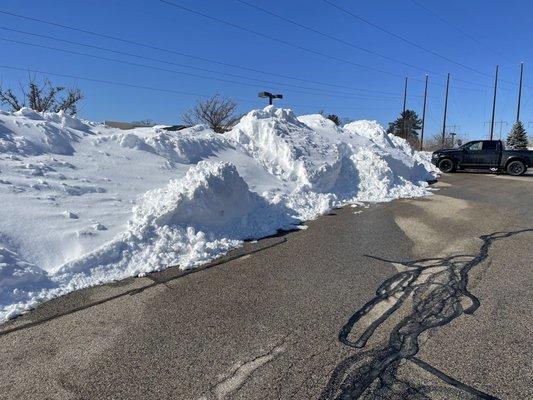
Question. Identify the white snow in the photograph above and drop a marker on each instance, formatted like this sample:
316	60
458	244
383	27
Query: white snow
83	204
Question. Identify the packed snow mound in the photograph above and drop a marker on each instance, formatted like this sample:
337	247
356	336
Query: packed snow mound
191	220
320	123
211	197
385	166
285	146
372	130
396	147
189	147
15	272
27	132
295	152
21	284
83	203
424	158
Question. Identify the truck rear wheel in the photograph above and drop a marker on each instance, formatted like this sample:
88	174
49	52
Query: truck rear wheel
446	165
516	168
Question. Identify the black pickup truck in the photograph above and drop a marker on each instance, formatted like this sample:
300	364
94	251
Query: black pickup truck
484	154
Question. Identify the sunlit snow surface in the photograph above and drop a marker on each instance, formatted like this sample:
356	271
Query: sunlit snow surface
83	204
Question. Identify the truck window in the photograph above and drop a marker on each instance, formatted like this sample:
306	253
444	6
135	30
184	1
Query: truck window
474	146
490	145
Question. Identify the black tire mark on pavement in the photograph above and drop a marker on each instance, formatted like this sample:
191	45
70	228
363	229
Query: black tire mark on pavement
437	288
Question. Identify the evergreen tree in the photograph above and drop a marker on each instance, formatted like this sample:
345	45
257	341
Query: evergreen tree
335	118
406	126
517	138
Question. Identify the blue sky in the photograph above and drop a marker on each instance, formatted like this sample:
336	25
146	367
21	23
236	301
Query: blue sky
488	33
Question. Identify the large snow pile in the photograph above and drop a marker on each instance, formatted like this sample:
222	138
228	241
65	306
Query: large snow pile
84	204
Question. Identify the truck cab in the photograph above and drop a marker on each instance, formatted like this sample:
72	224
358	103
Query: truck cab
483	154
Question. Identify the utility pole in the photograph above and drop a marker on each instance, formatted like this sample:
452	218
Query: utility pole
501	123
424	114
404	104
494	104
445	111
404	95
501	127
520	92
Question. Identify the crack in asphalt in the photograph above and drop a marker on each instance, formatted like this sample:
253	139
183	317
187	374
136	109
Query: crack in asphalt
438	290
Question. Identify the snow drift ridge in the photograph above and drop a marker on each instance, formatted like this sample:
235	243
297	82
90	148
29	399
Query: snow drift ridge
115	204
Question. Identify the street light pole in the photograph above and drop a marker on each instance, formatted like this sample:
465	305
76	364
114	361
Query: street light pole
270	96
453	134
453	128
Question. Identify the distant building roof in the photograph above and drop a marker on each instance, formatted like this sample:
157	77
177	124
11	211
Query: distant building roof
125	125
176	127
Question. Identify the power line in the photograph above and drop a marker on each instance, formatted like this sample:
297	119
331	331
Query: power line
411	43
294	45
322	93
218	62
492	123
175	52
339	40
149	88
108	82
331	37
462	31
174	63
272	38
416	45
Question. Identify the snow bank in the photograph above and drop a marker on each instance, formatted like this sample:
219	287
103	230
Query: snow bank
85	204
286	147
20	282
35	133
392	144
191	146
190	221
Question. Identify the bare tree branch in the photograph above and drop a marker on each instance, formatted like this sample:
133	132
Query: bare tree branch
9	98
42	97
216	112
69	104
